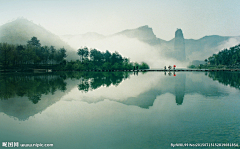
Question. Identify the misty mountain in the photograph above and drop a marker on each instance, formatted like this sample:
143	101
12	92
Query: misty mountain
21	30
143	33
138	44
206	46
195	49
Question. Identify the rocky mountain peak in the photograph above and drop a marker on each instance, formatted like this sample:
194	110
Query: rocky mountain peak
178	33
179	46
143	33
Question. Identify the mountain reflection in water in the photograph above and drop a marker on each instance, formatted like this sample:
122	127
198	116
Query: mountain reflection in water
24	95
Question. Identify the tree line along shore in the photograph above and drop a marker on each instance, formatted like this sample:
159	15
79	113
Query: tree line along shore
34	56
224	59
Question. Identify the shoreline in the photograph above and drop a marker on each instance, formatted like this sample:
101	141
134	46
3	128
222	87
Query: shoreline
139	70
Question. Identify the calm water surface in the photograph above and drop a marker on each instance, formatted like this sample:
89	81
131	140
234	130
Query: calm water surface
120	110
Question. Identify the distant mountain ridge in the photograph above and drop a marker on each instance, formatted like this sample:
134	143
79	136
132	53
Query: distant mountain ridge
195	49
21	30
143	33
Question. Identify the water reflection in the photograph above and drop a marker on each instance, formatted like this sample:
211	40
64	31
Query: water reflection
32	86
226	78
150	110
155	84
24	95
92	81
180	88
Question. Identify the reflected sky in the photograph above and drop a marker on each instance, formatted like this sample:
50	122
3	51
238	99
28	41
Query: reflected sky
138	89
149	110
142	89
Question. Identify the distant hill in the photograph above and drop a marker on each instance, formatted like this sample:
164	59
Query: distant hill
143	33
195	49
21	30
206	46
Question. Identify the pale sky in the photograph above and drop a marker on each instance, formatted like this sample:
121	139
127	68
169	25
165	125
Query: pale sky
196	18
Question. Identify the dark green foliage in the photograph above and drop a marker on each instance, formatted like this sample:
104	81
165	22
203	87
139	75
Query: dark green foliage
143	66
34	42
192	66
97	60
35	56
32	55
83	53
227	57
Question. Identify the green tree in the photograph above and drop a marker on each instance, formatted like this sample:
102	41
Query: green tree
52	54
107	56
226	57
45	50
35	45
34	42
206	61
116	58
7	57
20	50
83	53
97	57
144	66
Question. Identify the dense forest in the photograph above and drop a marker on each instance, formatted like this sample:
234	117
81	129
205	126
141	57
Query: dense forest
228	57
94	59
34	56
31	55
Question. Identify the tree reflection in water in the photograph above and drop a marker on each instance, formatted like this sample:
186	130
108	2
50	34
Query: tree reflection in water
34	86
92	81
227	78
31	85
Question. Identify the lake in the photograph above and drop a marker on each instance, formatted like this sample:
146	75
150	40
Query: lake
120	110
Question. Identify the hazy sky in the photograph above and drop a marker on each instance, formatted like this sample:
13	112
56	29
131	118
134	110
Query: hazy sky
196	18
